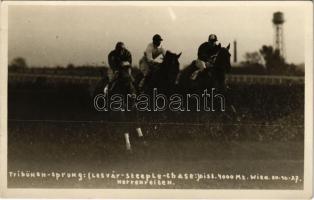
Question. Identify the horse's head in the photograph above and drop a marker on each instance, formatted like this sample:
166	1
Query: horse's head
171	63
168	70
223	59
171	60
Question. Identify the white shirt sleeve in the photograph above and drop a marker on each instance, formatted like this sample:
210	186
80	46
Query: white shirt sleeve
163	51
149	53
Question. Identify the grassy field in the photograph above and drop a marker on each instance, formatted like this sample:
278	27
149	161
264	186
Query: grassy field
75	147
55	130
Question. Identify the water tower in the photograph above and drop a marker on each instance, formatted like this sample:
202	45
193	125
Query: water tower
278	21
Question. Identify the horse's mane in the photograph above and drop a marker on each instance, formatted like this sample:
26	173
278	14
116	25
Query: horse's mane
223	56
224	51
169	56
169	53
164	74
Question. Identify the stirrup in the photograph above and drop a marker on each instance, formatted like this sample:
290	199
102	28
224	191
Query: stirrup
142	83
194	75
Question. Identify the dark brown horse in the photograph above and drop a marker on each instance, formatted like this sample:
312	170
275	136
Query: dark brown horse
209	79
213	77
163	76
121	89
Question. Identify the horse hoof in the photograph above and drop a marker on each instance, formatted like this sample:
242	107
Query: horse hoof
145	143
238	119
129	151
142	142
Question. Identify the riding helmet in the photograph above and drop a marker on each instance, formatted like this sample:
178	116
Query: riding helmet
157	37
212	37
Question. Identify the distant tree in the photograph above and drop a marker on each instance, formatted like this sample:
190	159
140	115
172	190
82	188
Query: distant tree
252	64
18	63
253	58
274	62
70	66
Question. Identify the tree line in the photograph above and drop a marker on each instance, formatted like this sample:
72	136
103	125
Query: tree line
266	61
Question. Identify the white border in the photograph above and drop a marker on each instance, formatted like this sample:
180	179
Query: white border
164	193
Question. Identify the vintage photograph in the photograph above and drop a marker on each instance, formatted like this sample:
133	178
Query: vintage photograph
158	95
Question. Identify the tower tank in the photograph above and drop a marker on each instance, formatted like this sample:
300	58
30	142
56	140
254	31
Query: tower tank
278	18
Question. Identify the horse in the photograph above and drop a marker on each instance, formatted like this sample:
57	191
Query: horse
122	89
163	76
211	79
161	79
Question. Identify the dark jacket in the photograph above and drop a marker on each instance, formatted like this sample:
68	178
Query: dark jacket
115	59
205	51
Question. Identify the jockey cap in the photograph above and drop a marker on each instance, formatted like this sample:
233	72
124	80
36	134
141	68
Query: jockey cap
157	37
212	37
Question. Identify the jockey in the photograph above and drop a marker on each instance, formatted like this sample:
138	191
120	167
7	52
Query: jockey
206	54
120	61
119	57
149	60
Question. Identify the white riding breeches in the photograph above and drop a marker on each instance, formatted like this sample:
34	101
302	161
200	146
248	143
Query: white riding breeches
200	64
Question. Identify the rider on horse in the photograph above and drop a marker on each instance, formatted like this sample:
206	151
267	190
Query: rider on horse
120	60
206	54
118	57
153	51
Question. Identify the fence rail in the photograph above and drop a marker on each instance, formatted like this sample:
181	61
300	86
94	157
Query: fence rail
262	79
179	124
250	79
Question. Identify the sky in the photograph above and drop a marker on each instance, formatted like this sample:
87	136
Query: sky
58	35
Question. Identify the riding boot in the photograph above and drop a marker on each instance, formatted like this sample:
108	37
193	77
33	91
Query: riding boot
132	89
142	83
130	74
113	80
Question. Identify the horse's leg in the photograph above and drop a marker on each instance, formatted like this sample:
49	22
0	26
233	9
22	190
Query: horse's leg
126	132
139	129
127	141
134	112
230	102
231	113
